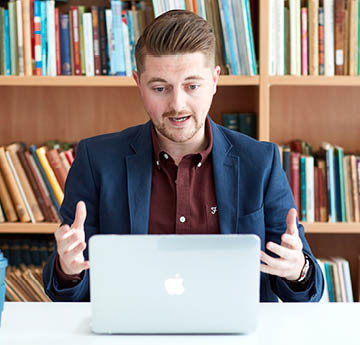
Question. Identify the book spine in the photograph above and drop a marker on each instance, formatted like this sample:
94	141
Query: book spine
27	37
314	37
51	37
303	188
44	65
108	16
339	36
316	194
13	187
82	43
103	41
89	45
353	44
125	30
24	182
7	43
65	45
13	38
321	42
37	28
118	58
96	39
57	41
329	37
57	166
322	191
310	197
304	41
6	202
354	182
20	37
295	178
76	39
41	153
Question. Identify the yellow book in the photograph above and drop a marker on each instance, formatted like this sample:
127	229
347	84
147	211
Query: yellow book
41	153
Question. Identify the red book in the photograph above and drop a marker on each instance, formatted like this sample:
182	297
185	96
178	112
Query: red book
32	33
96	39
339	36
69	154
295	178
304	41
57	41
57	166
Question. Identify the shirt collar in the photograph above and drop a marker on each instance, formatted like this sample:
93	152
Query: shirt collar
203	155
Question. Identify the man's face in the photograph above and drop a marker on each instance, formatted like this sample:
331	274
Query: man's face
177	91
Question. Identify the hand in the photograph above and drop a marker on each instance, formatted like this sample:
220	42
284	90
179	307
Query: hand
71	243
291	257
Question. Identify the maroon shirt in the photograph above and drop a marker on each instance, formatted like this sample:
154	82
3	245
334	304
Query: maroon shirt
183	199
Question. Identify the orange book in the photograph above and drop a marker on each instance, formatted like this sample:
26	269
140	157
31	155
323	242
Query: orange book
6	202
74	13
57	166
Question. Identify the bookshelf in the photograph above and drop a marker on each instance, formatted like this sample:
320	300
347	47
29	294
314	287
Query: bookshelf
315	109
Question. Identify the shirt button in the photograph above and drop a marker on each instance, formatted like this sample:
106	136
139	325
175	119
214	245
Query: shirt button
199	165
157	163
182	219
166	156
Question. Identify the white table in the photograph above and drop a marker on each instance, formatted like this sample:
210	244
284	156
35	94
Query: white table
283	323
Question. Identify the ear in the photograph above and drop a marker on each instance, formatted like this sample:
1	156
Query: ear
216	76
136	78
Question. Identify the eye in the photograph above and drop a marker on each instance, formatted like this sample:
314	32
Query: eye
159	89
193	87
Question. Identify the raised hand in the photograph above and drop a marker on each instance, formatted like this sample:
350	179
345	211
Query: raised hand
71	243
291	257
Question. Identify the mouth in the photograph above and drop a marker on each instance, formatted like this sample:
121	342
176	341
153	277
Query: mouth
181	119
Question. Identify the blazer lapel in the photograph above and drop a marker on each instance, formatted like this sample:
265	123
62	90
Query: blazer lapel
139	176
226	176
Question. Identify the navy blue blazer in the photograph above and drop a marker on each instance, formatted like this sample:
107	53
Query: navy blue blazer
112	174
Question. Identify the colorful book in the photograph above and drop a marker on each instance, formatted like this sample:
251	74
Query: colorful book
65	45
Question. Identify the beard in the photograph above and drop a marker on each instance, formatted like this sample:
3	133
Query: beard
181	134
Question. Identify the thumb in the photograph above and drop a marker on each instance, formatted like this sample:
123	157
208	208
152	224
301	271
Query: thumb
80	215
291	222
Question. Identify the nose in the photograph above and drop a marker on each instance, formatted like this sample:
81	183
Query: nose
178	100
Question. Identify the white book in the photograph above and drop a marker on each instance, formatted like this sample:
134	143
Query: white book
201	8
329	44
310	195
108	19
272	37
27	38
295	38
280	26
347	280
18	183
353	38
125	32
20	37
50	31
88	45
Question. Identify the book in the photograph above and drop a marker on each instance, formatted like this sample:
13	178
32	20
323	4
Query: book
6	201
329	37
41	154
96	39
37	37
24	181
322	190
310	195
13	38
313	37
74	12
321	42
51	37
295	179
27	37
339	36
12	187
65	51
20	37
304	41
328	277
57	166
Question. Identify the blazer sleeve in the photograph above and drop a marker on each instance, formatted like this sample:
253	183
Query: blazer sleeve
278	196
80	185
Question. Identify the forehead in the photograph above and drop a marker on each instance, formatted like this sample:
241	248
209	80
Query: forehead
179	65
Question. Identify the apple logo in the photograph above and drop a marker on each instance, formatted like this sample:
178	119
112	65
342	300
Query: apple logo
174	286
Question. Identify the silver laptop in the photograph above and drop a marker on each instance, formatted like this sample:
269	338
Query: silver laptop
174	283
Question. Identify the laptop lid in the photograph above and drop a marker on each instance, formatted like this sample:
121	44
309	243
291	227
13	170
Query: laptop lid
174	283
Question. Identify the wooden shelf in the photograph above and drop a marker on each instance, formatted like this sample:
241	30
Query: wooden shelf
110	81
25	228
331	228
314	80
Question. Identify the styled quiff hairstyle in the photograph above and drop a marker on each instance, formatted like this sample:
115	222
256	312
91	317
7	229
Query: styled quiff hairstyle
176	32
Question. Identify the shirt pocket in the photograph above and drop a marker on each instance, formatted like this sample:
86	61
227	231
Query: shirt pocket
252	223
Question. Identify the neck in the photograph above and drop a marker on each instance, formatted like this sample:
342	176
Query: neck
178	150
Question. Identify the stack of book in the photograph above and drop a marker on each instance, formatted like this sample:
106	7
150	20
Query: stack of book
39	40
233	22
325	184
337	276
314	37
32	181
24	274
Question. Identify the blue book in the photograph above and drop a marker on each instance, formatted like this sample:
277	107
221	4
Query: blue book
7	43
337	188
303	188
286	162
65	50
117	53
32	150
43	37
252	49
340	191
132	41
329	158
37	31
329	281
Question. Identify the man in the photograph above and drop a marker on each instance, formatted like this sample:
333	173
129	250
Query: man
180	173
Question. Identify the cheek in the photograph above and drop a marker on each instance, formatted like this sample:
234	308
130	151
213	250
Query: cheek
153	105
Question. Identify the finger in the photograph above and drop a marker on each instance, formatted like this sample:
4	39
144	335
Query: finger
274	263
281	251
61	232
72	253
80	266
67	244
80	215
291	241
291	227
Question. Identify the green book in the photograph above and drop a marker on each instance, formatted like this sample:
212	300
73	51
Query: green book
13	38
230	120
82	41
339	152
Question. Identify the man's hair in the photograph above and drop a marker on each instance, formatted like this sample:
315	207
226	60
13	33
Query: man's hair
176	32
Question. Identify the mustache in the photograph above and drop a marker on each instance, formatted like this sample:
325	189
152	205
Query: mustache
174	113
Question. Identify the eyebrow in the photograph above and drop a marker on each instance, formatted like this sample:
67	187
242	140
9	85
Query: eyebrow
161	80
